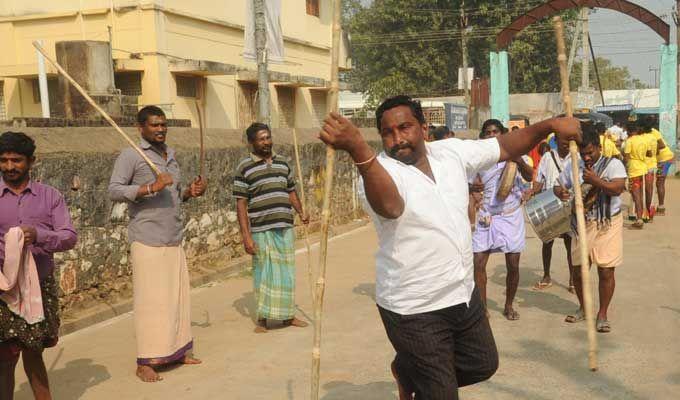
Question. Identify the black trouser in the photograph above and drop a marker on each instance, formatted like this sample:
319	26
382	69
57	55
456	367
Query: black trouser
440	351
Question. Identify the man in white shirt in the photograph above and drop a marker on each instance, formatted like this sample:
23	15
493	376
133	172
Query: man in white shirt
417	194
549	169
606	179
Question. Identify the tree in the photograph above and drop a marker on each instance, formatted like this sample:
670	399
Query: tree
414	46
612	77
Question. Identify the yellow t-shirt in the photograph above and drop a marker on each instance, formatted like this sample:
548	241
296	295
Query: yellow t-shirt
652	145
608	147
665	154
636	148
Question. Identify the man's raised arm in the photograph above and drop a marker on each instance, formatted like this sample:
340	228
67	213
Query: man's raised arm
519	142
381	191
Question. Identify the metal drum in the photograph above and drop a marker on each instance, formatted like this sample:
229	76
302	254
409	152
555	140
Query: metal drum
548	215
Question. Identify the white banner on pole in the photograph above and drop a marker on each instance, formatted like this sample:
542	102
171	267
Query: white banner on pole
274	32
470	77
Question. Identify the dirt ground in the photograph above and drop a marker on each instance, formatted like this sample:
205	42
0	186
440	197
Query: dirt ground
541	357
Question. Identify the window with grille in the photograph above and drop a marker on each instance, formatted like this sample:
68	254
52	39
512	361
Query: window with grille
435	116
3	111
319	107
286	96
129	83
52	87
313	7
246	103
186	86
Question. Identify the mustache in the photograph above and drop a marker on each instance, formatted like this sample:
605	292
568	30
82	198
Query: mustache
393	151
12	171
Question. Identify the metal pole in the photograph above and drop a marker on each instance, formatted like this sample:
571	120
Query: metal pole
42	82
262	74
597	72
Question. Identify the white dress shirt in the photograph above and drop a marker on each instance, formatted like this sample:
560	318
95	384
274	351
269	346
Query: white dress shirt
424	260
550	168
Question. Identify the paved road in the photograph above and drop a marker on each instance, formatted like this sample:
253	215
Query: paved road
542	357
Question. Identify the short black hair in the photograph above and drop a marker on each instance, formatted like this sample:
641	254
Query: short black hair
646	124
147	111
255	127
17	142
440	132
396	101
589	135
600	128
490	122
632	126
543	148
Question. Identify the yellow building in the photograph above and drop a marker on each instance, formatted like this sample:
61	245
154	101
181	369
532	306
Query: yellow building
167	52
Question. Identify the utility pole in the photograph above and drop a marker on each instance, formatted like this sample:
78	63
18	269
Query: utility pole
676	19
463	45
262	73
585	69
656	71
574	45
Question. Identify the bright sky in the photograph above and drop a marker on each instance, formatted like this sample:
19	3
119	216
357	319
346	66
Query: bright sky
628	42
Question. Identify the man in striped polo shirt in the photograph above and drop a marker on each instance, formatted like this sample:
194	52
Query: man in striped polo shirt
264	188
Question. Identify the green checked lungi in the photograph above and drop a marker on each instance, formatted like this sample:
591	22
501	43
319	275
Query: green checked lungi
274	274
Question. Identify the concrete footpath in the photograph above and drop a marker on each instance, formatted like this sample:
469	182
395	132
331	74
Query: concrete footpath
541	357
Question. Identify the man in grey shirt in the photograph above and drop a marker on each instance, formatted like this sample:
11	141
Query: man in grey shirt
159	271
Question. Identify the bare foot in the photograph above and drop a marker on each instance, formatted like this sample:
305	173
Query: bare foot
188	360
404	394
297	322
510	314
261	326
147	374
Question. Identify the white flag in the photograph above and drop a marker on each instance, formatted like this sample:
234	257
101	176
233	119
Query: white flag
272	16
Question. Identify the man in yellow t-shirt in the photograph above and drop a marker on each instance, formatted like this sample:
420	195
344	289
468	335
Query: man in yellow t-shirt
664	162
635	154
646	126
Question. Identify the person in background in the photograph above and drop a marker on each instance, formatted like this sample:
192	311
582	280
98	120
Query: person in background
609	148
647	126
665	158
635	154
441	133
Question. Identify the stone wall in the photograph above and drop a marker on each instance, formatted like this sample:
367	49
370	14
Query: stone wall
78	161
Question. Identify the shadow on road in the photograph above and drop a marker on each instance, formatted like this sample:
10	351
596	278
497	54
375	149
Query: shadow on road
365	289
529	298
205	324
246	305
71	381
341	390
573	365
677	310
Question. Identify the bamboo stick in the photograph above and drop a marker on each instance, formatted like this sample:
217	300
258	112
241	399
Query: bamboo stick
96	107
326	208
578	197
303	199
201	154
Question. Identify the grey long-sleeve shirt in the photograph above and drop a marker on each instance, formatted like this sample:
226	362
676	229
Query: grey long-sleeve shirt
154	220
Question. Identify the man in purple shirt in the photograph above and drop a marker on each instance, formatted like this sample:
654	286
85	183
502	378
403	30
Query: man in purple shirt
41	213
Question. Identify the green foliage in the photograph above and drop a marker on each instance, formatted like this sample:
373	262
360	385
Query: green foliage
414	46
612	77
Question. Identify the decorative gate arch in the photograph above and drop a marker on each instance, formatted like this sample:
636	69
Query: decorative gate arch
668	83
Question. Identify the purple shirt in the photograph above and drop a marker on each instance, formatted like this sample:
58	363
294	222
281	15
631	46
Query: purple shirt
43	208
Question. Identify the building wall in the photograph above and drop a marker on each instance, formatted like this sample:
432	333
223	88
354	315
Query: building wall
159	33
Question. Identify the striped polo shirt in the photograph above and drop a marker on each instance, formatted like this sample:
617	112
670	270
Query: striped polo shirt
266	186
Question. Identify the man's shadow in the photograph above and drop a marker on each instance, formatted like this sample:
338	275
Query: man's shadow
245	305
526	298
71	381
341	390
365	289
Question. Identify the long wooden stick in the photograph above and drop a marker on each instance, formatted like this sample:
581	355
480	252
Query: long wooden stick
201	154
326	208
96	107
578	195
303	199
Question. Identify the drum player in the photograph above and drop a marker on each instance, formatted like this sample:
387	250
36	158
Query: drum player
500	222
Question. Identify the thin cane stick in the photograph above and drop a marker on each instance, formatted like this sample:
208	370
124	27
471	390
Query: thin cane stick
96	107
578	195
201	154
303	199
326	208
